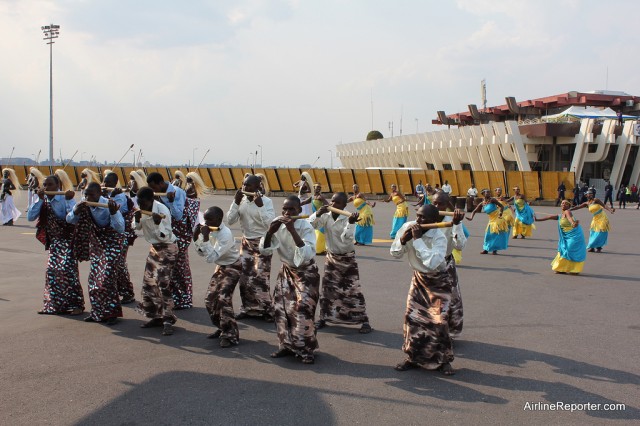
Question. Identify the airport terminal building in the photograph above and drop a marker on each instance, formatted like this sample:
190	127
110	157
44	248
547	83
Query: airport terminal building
592	135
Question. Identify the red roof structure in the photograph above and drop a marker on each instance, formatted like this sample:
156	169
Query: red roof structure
618	101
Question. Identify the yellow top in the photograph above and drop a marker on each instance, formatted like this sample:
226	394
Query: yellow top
600	221
402	208
365	212
565	224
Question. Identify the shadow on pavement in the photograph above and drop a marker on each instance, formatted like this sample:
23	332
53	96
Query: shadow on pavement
180	397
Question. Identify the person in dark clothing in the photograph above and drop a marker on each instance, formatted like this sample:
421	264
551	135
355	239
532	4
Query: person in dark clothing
622	197
561	191
583	193
608	193
576	195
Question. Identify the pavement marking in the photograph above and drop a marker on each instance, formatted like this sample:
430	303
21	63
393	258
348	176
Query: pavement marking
28	233
382	241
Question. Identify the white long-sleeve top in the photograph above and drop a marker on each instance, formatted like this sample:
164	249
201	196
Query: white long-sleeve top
338	233
254	220
425	254
455	236
282	241
156	234
220	249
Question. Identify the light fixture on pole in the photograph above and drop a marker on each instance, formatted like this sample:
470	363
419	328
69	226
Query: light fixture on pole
261	163
331	153
51	32
416	125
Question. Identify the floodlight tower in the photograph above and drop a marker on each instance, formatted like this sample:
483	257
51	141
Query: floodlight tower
51	32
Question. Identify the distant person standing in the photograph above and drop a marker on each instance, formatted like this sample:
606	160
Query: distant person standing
561	191
419	189
634	193
576	195
472	192
608	193
622	197
620	120
446	188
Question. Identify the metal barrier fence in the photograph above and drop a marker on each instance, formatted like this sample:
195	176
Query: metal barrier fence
535	185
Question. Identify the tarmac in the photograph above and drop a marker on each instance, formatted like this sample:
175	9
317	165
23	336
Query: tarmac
532	339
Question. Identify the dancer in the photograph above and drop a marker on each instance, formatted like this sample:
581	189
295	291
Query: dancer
523	224
87	176
317	201
62	289
402	209
304	186
8	210
136	182
456	240
157	296
255	213
184	218
427	342
179	179
572	250
97	239
196	188
599	231
65	181
36	180
218	246
364	226
507	212
496	236
264	185
296	292
125	286
342	301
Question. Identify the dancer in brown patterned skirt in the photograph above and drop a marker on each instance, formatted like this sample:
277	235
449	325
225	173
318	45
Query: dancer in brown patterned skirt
184	218
426	322
218	246
157	295
455	240
296	291
98	239
255	213
342	301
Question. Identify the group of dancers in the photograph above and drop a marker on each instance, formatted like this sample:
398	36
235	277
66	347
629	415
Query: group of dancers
101	227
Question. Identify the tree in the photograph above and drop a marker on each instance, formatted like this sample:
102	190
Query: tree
373	135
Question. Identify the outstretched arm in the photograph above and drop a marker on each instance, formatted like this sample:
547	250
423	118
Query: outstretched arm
549	217
476	210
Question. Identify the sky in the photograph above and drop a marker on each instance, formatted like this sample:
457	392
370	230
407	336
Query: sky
290	79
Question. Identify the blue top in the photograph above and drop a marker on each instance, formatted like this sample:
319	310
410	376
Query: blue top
60	205
177	207
121	199
102	217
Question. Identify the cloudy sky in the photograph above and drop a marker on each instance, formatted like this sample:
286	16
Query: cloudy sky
176	78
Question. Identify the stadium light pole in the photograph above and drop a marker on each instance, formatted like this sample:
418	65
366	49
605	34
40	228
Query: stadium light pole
331	154
261	164
51	32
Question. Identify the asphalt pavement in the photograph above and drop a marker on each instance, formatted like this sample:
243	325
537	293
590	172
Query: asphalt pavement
530	337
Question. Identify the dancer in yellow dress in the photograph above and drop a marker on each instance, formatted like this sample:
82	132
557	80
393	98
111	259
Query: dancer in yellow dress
599	232
572	250
364	227
317	200
523	224
507	213
402	210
